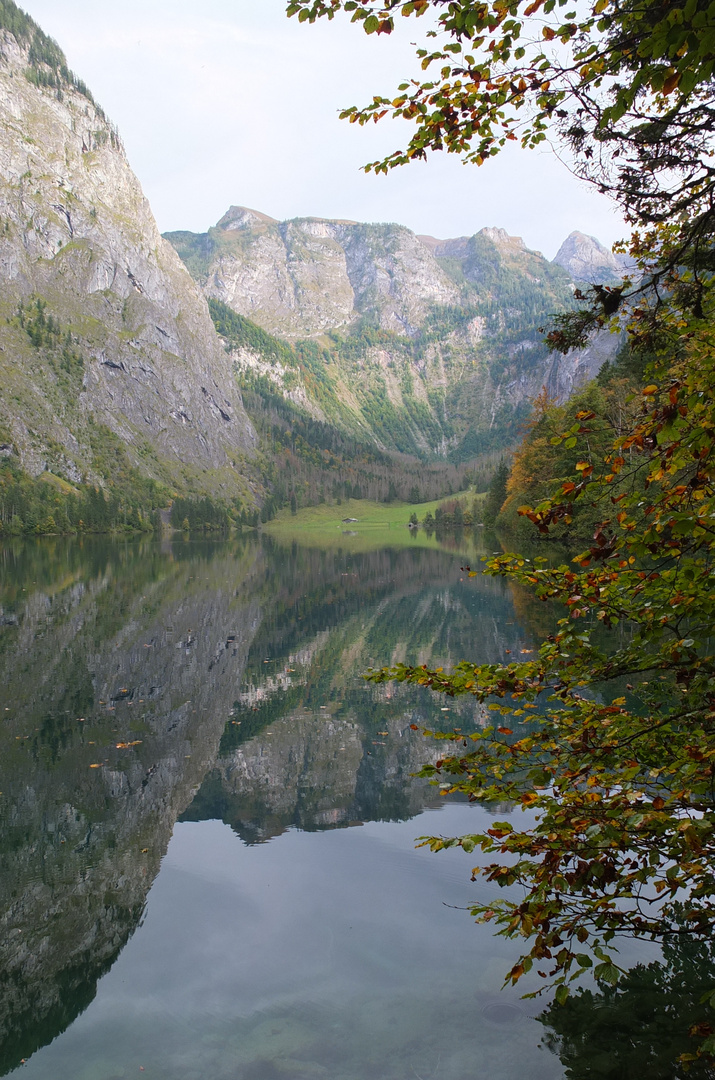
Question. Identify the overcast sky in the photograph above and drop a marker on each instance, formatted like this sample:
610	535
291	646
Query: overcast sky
224	102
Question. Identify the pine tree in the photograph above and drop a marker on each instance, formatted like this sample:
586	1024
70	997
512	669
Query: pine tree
496	493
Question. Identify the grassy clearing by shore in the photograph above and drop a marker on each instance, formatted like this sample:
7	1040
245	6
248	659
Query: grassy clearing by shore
374	525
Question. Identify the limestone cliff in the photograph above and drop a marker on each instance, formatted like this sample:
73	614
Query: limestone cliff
304	277
310	275
429	347
100	324
571	372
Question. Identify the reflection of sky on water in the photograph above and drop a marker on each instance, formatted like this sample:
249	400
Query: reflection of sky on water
316	954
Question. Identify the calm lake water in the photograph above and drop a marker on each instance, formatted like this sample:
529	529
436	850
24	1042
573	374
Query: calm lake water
207	847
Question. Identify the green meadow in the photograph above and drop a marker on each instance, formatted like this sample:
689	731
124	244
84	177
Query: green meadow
374	525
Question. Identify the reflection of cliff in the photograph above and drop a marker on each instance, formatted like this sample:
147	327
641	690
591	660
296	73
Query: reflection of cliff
316	771
310	744
149	652
137	679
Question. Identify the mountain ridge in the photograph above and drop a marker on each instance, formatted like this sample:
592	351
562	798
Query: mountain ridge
445	333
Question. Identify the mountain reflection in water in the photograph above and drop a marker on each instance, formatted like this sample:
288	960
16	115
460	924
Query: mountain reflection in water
218	686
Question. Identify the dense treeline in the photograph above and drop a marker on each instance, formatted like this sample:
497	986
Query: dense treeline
609	406
205	515
451	515
43	506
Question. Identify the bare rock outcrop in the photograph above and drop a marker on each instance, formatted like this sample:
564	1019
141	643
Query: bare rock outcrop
122	336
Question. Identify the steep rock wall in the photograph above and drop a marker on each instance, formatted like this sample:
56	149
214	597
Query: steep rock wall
77	233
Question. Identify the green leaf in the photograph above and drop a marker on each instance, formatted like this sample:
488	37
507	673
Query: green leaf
607	973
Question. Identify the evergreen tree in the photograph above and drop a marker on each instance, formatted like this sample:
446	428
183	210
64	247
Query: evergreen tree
496	493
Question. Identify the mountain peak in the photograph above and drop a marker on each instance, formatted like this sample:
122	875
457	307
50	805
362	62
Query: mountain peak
501	237
242	217
587	259
458	246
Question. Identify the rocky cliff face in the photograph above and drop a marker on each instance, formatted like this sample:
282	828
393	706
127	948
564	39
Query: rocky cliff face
571	372
100	323
307	276
431	347
304	277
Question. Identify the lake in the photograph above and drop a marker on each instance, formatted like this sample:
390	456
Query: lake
207	848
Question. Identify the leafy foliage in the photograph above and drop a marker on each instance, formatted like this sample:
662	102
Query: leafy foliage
498	77
617	781
609	410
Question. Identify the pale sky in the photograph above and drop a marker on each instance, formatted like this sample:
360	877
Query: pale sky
229	102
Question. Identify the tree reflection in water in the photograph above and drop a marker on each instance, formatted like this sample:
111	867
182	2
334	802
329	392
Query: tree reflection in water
642	1026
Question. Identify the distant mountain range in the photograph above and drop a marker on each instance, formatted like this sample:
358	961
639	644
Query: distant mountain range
429	347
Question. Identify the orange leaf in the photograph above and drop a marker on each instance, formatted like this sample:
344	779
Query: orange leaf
671	82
